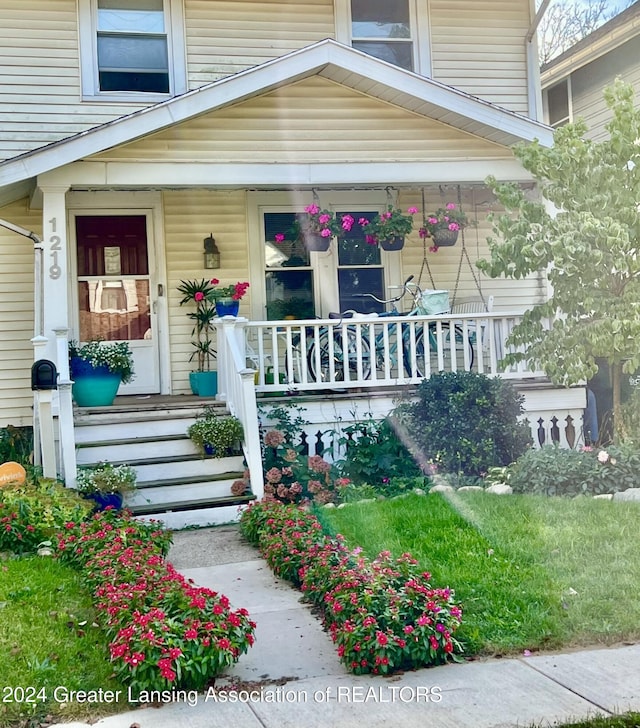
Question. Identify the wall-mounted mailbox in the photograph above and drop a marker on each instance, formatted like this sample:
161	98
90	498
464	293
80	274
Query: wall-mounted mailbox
44	375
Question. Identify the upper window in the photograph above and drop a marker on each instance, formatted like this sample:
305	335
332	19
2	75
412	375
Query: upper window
396	31
559	104
136	47
382	28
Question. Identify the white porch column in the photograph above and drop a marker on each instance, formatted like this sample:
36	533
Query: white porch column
56	280
56	284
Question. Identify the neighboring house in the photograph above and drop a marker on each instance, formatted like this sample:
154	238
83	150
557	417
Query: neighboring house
573	82
132	129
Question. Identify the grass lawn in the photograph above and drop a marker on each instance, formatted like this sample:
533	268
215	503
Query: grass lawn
531	572
629	720
47	639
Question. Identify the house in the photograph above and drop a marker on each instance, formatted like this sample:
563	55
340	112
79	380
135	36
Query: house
573	82
133	130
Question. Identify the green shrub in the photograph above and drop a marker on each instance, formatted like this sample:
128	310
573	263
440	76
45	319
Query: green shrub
16	445
552	470
466	422
33	513
375	452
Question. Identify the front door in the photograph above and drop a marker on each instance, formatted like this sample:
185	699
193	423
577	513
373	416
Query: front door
115	288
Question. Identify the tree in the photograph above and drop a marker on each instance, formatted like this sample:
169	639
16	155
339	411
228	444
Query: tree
590	249
568	21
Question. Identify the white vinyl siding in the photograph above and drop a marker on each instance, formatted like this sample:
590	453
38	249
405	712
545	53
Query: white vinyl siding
588	83
16	316
227	36
479	48
354	127
190	215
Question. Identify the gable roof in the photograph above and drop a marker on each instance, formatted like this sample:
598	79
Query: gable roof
327	58
607	37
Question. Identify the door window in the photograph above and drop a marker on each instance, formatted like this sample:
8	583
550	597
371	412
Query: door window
113	278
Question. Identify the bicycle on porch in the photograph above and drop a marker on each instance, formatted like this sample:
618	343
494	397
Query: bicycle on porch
377	348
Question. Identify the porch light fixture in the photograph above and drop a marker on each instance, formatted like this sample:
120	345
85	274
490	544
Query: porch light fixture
211	253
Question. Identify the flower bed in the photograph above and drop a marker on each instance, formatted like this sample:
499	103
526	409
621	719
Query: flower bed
165	633
383	614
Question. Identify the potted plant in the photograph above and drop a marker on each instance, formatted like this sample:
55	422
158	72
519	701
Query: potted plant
227	298
214	434
443	225
316	227
97	369
203	381
106	484
389	228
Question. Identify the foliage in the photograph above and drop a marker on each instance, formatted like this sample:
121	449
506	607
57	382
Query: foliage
32	513
234	291
165	633
16	444
389	224
114	355
375	453
552	470
286	418
589	249
215	434
293	477
49	638
449	217
315	221
198	293
466	422
627	720
532	572
383	614
106	478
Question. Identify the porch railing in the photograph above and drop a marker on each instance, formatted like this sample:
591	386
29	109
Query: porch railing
321	354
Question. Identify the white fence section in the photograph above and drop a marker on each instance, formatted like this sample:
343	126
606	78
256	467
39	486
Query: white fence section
377	351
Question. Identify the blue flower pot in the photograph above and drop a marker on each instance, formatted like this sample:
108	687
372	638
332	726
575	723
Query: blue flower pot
104	500
227	307
93	386
204	384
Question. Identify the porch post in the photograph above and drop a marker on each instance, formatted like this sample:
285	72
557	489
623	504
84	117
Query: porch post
55	296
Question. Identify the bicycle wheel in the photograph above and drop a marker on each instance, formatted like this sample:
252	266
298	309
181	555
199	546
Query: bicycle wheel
326	357
430	352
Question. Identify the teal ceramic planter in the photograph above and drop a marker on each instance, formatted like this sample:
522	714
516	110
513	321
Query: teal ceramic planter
93	387
204	384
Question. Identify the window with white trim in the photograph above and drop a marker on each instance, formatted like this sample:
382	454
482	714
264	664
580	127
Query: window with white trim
132	48
396	31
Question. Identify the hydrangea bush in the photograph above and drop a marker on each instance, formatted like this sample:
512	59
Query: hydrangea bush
383	615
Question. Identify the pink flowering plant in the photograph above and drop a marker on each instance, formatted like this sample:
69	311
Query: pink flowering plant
320	222
293	477
164	632
392	223
384	615
449	217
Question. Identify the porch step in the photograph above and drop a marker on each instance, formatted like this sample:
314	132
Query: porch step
175	483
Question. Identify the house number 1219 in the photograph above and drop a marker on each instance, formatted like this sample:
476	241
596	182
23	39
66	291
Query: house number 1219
55	271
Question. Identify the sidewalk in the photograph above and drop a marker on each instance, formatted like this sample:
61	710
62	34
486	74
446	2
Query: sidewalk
291	677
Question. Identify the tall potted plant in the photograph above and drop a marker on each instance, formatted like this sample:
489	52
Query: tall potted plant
97	370
388	229
203	381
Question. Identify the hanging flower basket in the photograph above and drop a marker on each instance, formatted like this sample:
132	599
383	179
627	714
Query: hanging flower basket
444	237
394	243
315	242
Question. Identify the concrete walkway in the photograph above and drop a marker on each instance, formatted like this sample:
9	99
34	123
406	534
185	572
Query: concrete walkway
291	677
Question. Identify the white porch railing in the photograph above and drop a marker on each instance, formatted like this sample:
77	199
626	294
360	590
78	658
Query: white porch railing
320	354
236	387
